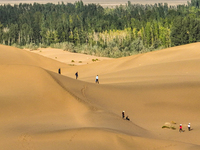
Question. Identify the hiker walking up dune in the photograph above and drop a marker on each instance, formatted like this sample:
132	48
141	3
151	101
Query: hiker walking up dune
97	79
127	118
123	114
59	71
76	74
189	127
180	128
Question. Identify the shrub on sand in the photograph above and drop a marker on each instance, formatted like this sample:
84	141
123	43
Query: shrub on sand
165	127
71	65
169	125
172	122
173	128
95	60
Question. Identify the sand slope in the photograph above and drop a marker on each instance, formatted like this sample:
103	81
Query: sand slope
68	57
43	110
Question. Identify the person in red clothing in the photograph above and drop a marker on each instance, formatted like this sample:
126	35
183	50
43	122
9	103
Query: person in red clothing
180	128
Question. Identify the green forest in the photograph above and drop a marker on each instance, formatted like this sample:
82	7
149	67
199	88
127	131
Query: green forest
92	29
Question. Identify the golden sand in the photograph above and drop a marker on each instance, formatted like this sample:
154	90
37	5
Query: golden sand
43	110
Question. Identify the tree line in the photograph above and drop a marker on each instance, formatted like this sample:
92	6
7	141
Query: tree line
92	29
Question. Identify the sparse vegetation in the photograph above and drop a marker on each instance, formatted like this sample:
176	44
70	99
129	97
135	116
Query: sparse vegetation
71	65
165	127
72	61
172	122
169	125
173	128
31	46
95	60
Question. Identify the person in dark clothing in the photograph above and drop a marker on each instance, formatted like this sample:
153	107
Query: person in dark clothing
123	114
76	74
127	118
59	71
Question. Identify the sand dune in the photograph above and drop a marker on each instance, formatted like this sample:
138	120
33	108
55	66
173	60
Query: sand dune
43	110
67	57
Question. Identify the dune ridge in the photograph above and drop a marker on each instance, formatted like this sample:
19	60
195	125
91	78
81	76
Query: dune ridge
41	109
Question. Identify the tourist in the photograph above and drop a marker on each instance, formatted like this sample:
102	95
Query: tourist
123	114
180	128
59	71
76	74
97	79
127	118
189	127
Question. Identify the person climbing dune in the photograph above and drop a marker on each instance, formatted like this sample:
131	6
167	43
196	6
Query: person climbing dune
97	79
180	128
59	71
127	118
76	74
123	114
188	126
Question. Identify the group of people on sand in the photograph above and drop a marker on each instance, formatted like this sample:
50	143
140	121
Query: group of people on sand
123	112
76	75
97	77
181	128
123	116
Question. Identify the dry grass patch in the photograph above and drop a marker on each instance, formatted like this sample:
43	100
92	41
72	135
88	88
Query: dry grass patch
169	125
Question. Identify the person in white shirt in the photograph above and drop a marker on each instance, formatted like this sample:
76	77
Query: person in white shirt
189	127
97	79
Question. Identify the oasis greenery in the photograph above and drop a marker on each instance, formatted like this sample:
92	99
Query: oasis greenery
92	29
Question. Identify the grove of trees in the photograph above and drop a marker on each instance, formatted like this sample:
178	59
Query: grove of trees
92	29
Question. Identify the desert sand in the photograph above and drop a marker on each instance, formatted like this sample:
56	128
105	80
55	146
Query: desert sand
43	110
